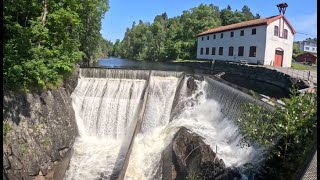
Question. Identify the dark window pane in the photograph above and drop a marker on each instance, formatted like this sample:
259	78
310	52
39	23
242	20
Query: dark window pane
207	37
240	51
221	36
213	51
220	50
242	33
231	34
254	31
214	36
207	51
285	34
276	30
231	51
201	51
252	52
201	38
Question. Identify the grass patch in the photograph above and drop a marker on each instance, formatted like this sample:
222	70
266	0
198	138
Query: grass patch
298	66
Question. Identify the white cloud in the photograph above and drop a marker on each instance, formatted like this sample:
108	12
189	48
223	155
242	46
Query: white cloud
305	24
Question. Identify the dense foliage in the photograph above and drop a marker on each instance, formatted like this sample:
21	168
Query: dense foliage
44	39
286	133
174	38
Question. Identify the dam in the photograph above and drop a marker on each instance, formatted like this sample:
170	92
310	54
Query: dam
126	118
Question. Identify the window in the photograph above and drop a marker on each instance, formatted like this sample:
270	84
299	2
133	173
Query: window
285	34
207	37
220	50
242	33
231	34
230	51
313	49
307	48
202	38
201	51
213	51
207	51
221	36
254	31
276	30
240	51
252	52
214	36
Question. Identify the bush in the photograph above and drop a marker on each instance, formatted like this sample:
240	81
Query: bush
283	132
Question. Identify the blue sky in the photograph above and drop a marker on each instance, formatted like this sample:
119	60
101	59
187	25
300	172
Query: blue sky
301	14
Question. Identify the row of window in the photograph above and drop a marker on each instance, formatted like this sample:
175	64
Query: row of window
313	49
252	51
253	32
276	32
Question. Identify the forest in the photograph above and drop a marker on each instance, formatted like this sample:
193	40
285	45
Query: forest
167	39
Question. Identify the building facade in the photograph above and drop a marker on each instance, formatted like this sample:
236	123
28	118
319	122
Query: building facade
308	46
267	41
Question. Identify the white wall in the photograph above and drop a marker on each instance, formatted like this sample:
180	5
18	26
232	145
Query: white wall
274	42
258	40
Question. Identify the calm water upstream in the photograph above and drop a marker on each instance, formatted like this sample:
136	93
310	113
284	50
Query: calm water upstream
119	63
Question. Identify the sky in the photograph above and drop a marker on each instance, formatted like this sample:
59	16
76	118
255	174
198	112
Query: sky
122	13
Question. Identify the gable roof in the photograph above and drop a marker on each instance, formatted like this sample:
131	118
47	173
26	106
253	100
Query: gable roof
254	22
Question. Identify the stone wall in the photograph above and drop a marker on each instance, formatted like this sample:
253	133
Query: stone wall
234	72
39	132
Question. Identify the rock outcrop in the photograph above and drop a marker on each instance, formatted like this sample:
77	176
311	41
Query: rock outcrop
193	158
39	130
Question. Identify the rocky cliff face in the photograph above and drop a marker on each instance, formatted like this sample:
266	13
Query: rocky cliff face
39	131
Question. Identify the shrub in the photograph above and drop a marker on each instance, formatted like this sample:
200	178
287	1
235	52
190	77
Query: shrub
283	132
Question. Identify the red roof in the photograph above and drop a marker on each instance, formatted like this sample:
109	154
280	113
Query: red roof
255	22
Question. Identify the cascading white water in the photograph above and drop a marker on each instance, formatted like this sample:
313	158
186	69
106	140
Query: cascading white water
103	107
157	114
202	116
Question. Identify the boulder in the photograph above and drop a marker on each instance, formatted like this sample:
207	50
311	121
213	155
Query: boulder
192	157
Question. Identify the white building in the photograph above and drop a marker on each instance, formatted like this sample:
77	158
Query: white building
308	46
266	41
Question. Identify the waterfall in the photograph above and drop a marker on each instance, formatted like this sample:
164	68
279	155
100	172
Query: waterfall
107	103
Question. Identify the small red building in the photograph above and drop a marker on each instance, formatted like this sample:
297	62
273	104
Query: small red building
307	57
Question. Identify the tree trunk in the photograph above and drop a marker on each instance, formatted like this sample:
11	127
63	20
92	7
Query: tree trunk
45	12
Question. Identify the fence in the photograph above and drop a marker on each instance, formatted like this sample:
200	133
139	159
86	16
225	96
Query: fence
301	74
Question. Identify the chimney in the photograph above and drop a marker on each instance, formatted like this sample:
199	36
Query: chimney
282	8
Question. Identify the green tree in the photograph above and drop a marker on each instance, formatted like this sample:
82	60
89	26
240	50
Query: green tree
247	13
91	12
42	41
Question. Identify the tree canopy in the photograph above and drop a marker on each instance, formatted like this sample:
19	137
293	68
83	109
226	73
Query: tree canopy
44	39
173	38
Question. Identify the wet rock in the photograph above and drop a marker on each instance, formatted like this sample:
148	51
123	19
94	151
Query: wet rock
192	156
